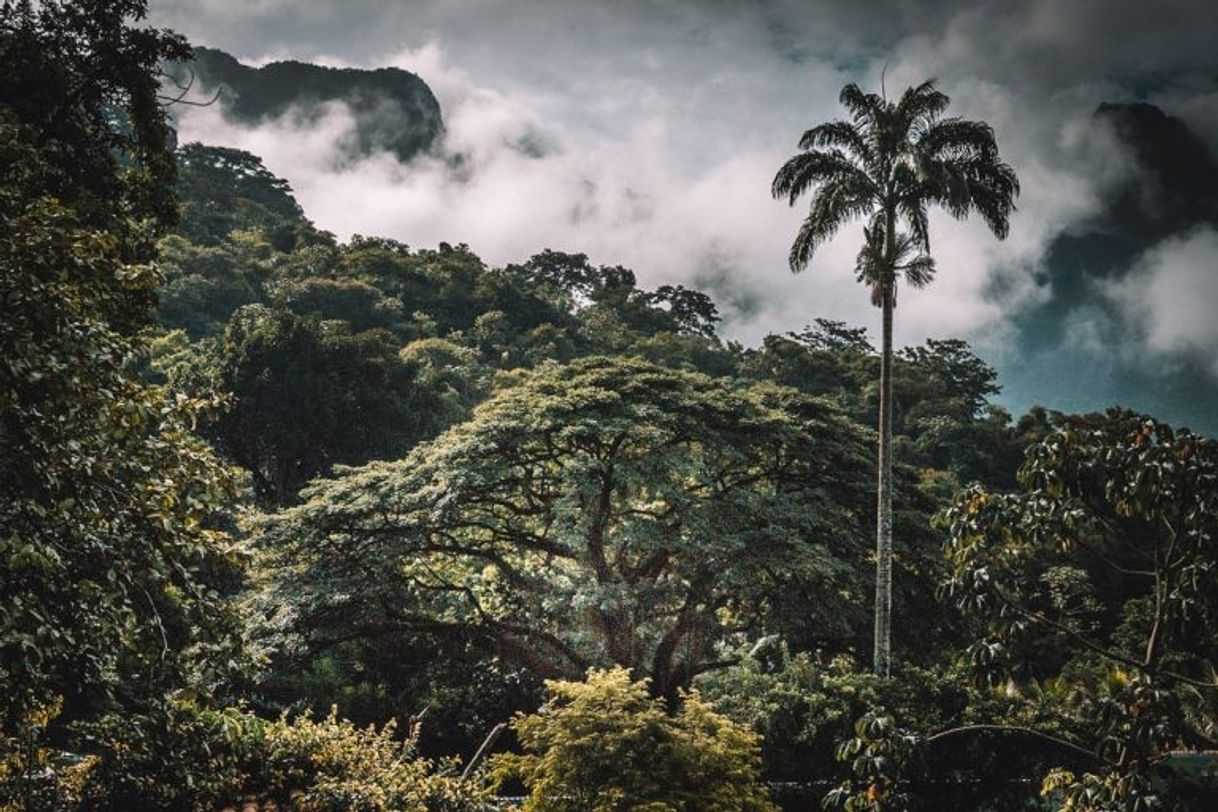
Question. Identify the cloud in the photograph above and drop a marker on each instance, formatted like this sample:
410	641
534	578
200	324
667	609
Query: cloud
626	181
1169	299
646	133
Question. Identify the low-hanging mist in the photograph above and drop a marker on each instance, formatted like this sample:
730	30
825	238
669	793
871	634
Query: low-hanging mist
648	136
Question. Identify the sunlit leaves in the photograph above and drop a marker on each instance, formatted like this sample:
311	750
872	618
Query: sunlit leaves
607	511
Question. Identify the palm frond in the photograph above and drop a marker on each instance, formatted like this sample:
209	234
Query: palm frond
839	134
862	106
919	271
922	102
812	168
833	205
893	160
957	138
984	185
869	266
913	212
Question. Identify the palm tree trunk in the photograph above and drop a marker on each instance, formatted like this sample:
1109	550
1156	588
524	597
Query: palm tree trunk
883	530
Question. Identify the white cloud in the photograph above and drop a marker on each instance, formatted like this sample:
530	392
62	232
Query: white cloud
628	182
1170	296
660	127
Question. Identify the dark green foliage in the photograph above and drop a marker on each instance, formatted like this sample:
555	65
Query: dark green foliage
307	395
942	417
353	301
105	486
115	566
1099	575
804	708
223	189
81	84
205	284
109	563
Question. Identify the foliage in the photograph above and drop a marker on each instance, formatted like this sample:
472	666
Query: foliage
891	161
943	419
876	755
339	767
83	82
205	284
1127	504
606	744
176	755
32	775
224	189
203	759
115	565
609	511
308	395
112	563
804	708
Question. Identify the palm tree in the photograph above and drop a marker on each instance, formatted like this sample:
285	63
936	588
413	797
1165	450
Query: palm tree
888	164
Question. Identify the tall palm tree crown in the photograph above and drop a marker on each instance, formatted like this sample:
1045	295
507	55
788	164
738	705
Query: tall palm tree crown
888	164
895	158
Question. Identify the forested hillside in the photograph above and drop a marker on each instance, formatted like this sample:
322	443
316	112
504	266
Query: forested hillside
268	491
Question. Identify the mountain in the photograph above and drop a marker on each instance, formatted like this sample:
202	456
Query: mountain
394	109
1177	181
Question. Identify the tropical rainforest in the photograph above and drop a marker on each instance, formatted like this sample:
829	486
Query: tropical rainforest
288	522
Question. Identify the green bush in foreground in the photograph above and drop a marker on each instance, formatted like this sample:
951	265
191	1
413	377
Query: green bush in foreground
184	758
606	744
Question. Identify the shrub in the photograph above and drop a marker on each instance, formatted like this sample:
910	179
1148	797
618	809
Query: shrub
606	744
193	759
338	767
34	777
805	708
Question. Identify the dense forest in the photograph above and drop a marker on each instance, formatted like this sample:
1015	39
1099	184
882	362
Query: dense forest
296	522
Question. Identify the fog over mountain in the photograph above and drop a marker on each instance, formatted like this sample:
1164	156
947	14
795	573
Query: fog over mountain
647	133
392	110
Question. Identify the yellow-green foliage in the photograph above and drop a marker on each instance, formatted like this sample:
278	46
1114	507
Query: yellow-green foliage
339	767
203	760
606	744
30	778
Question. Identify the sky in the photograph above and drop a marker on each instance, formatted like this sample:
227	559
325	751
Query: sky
647	133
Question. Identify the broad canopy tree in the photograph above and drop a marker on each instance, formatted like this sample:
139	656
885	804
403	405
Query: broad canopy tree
308	394
609	511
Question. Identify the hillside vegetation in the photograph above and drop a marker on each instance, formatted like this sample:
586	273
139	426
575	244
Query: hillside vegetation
295	520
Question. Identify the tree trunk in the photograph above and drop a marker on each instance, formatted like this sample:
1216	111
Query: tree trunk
883	531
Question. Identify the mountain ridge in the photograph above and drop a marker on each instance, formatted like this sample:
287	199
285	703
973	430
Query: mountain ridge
394	109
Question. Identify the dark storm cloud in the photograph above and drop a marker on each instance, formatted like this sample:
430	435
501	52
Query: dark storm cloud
658	125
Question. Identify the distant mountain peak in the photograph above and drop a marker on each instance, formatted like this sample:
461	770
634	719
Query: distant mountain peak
1178	164
394	109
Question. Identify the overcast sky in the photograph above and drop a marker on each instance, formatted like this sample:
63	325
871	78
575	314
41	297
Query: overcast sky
647	134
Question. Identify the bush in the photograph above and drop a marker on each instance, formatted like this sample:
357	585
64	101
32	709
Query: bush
335	766
805	709
606	744
193	759
34	777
